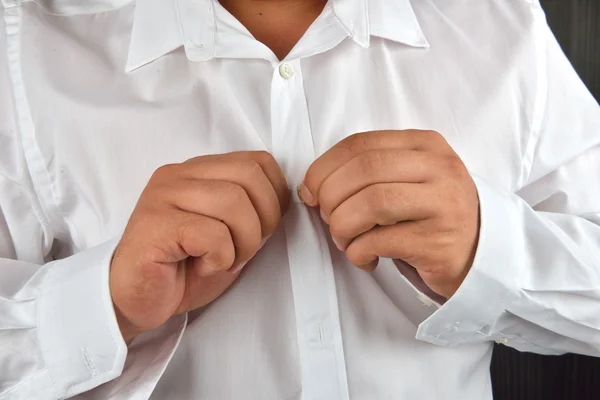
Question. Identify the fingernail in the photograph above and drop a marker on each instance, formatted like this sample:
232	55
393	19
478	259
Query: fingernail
338	244
306	195
324	217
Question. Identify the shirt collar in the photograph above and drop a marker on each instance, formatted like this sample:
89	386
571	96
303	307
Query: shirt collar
191	24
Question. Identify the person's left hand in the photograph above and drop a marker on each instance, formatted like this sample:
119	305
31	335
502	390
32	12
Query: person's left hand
399	194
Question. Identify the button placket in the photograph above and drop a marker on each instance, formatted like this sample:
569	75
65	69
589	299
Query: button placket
317	320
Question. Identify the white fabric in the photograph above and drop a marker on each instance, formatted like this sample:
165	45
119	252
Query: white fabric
95	95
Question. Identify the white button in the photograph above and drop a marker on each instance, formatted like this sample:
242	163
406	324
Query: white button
502	341
286	71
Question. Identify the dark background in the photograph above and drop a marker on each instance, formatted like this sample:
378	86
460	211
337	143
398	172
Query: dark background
524	376
576	24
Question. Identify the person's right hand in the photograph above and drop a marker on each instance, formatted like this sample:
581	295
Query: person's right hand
194	227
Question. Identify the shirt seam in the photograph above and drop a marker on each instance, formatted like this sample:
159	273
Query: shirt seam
541	95
13	63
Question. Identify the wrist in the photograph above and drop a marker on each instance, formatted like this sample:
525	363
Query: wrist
129	331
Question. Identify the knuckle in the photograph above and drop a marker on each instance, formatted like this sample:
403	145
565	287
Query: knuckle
233	193
376	240
263	155
355	143
154	198
454	166
222	250
378	197
167	171
369	162
250	248
249	239
431	134
357	253
250	168
271	223
220	234
326	200
311	180
254	243
194	159
337	227
186	230
434	136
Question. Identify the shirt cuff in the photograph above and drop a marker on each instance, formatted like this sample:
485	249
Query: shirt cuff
148	356
79	336
491	285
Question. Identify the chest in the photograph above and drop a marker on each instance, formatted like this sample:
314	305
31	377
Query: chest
105	131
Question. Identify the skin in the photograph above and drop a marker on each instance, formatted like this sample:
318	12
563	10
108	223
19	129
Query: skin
398	194
194	226
181	249
279	24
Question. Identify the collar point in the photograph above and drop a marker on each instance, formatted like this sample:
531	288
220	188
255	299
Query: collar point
422	42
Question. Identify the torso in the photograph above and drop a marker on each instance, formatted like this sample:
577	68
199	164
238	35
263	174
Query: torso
105	131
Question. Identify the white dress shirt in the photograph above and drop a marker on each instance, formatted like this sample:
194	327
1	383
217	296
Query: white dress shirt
96	94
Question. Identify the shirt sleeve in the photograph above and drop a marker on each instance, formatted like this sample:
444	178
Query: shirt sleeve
535	281
58	332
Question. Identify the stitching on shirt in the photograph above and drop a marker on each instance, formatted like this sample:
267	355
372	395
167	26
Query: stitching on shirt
74	386
88	361
178	12
13	19
213	49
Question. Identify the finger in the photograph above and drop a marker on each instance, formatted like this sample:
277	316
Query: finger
398	241
201	290
381	204
348	148
273	171
250	176
207	241
223	201
375	166
245	163
183	237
